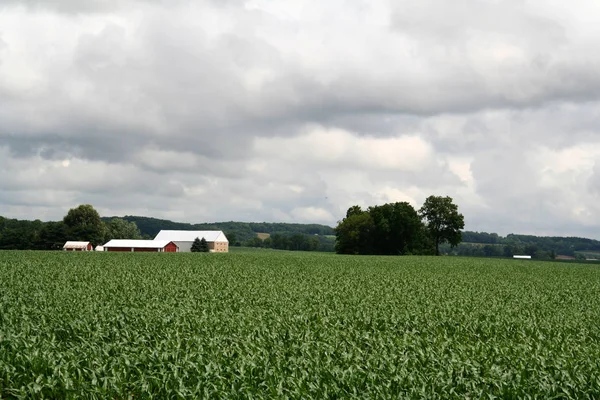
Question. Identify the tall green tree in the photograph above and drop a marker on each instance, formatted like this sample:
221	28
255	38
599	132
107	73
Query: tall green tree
119	228
354	234
391	229
443	221
397	229
354	210
53	236
83	223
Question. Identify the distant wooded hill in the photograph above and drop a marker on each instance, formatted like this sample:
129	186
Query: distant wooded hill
493	245
242	231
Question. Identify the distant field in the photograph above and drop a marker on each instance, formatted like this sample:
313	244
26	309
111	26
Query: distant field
594	254
295	325
263	236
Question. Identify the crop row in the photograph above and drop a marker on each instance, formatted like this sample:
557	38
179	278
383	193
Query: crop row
286	325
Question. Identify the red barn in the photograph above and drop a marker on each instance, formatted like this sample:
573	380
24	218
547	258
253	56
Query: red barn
137	246
78	246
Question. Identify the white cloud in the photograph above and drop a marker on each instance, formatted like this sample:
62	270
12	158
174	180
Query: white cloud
279	111
166	160
335	147
312	215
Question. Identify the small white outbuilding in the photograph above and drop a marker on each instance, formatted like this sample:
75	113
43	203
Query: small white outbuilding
77	246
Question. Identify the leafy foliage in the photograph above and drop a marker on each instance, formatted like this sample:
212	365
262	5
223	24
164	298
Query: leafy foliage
443	221
295	325
295	242
83	223
389	229
20	235
354	235
118	228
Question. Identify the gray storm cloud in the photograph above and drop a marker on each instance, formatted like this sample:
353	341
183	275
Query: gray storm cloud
205	111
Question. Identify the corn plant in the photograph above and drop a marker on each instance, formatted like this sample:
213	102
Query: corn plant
290	325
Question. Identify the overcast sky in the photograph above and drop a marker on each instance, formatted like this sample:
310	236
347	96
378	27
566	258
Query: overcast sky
293	111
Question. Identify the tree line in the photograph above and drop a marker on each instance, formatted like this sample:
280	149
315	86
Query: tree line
242	232
82	223
293	242
395	228
399	229
483	244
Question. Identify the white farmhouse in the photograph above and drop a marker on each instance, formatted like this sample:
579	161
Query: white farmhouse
217	241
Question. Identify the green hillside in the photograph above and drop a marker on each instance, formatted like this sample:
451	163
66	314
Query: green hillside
243	231
492	244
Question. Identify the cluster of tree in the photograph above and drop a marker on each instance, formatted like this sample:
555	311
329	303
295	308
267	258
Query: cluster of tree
241	231
397	228
295	242
541	247
199	246
82	223
481	237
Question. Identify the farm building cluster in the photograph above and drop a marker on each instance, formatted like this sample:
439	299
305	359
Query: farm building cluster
164	242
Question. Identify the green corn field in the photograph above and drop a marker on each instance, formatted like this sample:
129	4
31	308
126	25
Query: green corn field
291	325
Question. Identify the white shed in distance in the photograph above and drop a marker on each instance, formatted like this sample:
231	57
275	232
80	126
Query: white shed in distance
217	241
77	246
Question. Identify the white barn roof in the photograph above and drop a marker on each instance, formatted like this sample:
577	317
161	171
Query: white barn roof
190	236
76	245
140	244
